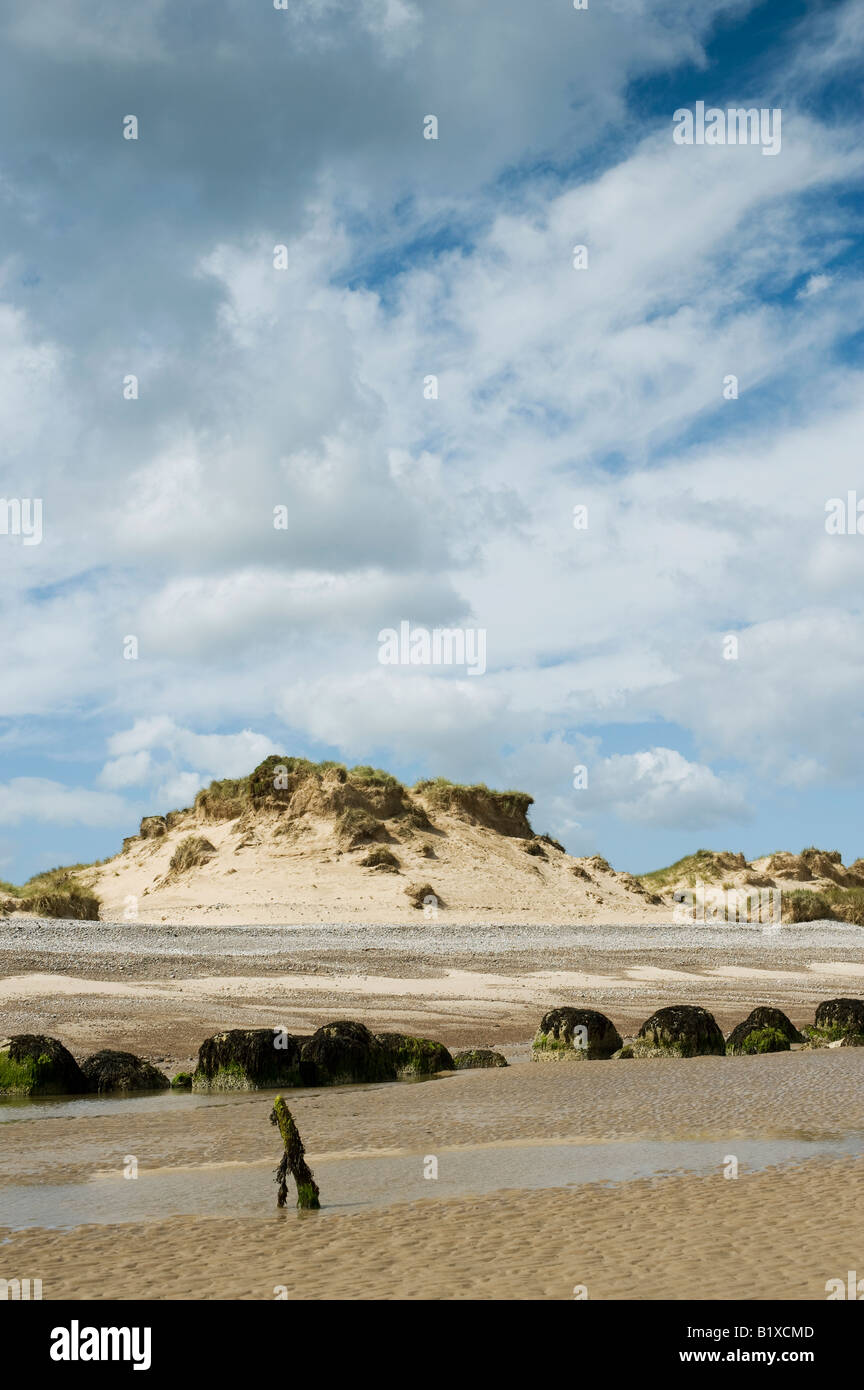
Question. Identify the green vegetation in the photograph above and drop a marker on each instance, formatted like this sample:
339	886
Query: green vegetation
478	1058
848	904
190	853
412	1056
276	779
765	1040
547	1042
54	893
439	790
366	776
32	1064
506	812
18	1078
225	800
820	1037
805	905
646	1047
705	866
293	1163
355	827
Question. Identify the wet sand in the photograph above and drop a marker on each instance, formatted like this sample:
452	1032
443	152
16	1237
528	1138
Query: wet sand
780	1229
603	1174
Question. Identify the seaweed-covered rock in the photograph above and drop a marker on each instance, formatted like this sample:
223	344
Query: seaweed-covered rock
852	1040
682	1030
757	1021
415	1056
248	1059
182	1081
840	1016
764	1040
575	1035
477	1057
342	1053
122	1071
33	1065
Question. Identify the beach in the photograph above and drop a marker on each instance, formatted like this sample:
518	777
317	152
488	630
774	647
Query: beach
710	1177
159	990
790	1221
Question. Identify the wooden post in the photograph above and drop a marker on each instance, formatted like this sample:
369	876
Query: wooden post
293	1161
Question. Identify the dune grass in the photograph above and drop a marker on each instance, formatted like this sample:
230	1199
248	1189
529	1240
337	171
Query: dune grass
705	866
191	852
54	893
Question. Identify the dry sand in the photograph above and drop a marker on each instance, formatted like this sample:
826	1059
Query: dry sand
293	870
160	990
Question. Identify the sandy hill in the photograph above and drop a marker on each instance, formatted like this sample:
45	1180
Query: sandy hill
813	882
299	842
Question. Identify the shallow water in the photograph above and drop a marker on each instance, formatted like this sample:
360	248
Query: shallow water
23	1108
355	1183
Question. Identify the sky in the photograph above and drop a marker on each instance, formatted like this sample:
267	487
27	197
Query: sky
283	260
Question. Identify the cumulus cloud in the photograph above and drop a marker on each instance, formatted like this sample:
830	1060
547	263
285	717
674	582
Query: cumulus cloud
154	751
660	787
40	799
130	770
303	390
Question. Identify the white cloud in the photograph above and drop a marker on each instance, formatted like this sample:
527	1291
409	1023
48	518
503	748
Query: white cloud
130	770
304	388
137	757
39	799
179	791
660	787
815	285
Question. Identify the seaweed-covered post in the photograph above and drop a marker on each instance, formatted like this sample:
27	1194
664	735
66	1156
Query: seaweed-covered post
293	1161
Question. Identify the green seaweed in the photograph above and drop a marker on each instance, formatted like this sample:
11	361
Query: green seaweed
293	1161
765	1040
415	1056
18	1078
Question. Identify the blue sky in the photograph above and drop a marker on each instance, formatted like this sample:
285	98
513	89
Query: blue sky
303	387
